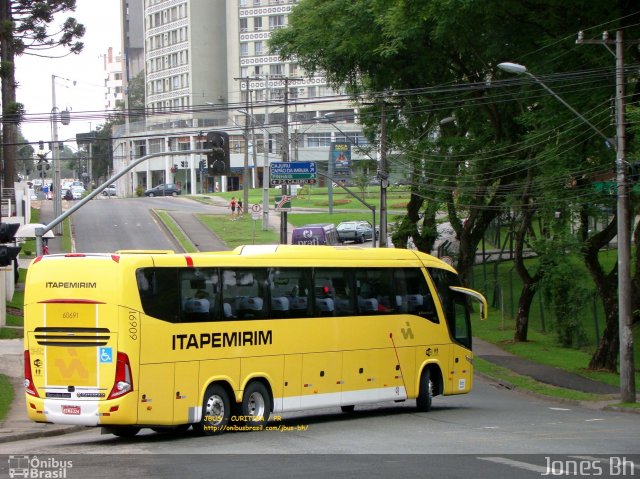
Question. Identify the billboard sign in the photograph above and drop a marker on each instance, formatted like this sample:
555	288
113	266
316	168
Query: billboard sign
340	156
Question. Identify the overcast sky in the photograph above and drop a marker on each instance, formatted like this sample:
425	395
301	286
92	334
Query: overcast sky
33	74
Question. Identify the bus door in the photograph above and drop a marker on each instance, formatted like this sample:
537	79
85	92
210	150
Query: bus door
461	358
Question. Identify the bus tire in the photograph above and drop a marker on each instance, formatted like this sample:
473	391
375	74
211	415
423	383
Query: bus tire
425	393
216	411
123	431
348	409
256	403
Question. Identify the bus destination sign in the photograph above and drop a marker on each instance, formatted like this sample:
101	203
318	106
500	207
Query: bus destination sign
293	173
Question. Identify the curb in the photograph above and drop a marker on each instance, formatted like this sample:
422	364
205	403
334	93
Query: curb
23	436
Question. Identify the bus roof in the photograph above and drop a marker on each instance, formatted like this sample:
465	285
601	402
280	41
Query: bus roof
286	254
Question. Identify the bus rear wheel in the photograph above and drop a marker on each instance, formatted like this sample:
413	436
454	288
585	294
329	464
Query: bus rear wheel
216	411
256	403
425	394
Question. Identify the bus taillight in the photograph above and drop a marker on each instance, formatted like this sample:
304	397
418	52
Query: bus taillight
29	387
123	383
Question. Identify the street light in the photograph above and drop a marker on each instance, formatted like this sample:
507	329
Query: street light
627	378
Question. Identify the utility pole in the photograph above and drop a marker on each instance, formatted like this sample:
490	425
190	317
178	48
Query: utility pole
383	176
265	164
55	185
285	159
245	169
627	378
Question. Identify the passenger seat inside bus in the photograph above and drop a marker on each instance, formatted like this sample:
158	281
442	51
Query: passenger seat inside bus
279	307
325	305
368	305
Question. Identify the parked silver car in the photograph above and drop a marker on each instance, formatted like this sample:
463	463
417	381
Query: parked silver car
359	231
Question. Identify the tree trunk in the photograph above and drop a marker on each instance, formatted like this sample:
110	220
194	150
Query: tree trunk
606	354
9	114
528	282
527	294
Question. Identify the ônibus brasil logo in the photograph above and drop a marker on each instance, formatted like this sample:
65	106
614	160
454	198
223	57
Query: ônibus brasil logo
41	468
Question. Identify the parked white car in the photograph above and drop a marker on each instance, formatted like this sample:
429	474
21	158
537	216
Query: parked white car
109	190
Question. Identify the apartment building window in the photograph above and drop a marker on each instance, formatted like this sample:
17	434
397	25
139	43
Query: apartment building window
244	22
257	71
277	69
257	24
319	140
257	47
244	72
244	49
176	82
276	21
243	3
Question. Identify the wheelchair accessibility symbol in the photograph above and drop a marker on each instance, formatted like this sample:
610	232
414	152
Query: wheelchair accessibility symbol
106	355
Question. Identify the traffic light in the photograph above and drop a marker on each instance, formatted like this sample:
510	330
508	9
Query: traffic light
218	159
8	253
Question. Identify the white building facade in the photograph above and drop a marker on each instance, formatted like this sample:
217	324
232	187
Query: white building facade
114	94
207	67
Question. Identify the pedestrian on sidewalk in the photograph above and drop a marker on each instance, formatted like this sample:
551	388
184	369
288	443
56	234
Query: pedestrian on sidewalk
239	207
232	205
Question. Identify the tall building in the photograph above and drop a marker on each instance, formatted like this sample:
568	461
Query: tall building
113	96
206	67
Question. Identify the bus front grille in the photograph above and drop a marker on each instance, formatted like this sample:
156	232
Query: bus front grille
72	337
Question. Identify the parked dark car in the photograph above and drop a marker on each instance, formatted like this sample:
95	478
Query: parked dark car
359	231
167	189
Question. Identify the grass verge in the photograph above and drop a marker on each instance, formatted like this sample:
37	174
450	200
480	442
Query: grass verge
176	231
237	231
6	396
511	379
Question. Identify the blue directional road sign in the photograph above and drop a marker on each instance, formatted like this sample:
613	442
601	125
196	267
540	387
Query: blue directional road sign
293	173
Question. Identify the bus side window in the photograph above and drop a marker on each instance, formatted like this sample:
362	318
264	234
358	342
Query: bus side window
245	291
374	288
336	285
412	294
158	293
289	290
199	292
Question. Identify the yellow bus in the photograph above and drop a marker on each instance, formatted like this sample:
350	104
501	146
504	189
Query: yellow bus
162	340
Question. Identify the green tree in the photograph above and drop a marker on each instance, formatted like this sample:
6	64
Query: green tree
517	152
24	30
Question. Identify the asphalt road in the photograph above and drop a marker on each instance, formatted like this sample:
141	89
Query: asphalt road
492	431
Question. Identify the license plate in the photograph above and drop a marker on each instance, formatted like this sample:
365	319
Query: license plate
71	410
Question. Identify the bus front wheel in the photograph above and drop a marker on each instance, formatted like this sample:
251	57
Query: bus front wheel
256	403
216	411
425	393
